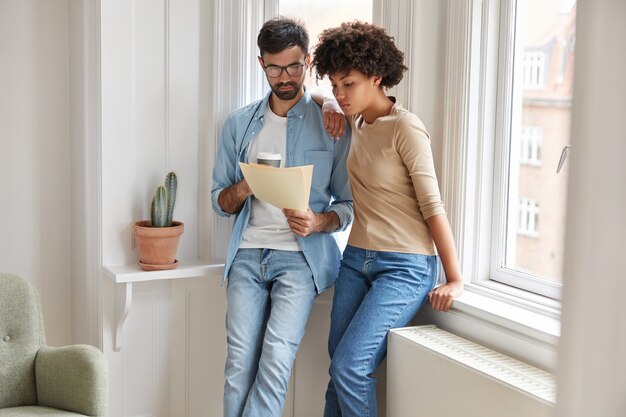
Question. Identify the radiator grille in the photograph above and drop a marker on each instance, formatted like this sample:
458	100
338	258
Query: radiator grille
512	372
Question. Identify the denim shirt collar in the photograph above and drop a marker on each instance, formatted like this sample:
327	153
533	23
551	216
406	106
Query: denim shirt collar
298	109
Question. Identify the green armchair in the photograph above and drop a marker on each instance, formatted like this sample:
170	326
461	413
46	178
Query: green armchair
37	380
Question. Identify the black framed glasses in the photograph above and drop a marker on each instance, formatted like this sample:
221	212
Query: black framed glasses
275	71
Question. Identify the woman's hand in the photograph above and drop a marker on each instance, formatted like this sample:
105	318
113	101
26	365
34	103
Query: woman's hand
441	298
335	124
334	119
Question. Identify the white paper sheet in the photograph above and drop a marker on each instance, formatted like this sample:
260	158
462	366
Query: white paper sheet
280	187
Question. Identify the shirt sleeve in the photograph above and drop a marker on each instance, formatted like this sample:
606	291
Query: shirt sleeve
413	145
340	184
225	165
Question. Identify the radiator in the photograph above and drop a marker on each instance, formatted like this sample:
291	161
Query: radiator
433	373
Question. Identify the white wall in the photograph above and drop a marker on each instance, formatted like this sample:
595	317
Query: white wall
149	117
427	69
155	118
35	210
592	365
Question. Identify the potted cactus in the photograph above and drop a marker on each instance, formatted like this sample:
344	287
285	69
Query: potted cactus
157	239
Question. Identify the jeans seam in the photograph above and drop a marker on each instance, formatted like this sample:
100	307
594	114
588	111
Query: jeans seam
364	389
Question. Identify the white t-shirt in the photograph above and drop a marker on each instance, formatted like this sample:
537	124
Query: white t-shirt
267	227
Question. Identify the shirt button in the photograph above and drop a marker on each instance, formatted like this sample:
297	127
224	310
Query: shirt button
6	338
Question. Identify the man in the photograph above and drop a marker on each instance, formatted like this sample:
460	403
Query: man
278	261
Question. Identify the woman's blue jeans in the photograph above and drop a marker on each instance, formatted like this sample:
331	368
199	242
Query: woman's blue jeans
375	291
270	294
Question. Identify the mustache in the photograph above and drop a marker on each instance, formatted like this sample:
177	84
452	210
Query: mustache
289	83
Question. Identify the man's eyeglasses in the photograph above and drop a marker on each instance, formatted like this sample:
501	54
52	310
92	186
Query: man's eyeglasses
275	71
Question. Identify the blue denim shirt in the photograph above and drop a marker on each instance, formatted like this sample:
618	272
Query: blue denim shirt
308	143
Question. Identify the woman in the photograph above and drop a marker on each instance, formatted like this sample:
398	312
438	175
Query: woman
389	266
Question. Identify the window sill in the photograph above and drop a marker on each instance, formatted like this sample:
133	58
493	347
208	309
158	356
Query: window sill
527	329
528	317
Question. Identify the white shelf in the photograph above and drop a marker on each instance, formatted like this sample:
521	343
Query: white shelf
185	269
125	275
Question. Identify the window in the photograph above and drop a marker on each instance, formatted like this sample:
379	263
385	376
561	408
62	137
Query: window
535	69
532	137
528	217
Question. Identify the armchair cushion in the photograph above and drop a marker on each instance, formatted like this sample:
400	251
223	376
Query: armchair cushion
72	378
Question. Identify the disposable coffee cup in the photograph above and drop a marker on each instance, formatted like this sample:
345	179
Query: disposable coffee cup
268	158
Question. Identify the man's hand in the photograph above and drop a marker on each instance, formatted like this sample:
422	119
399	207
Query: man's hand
303	223
231	199
334	119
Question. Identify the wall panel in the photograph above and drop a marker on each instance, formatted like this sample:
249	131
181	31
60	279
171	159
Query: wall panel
150	87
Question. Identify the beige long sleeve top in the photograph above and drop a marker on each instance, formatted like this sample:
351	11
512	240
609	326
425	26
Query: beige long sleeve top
393	183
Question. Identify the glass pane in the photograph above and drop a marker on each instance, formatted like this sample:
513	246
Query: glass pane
540	130
317	16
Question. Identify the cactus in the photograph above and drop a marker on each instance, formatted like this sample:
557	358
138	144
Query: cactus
171	185
162	208
159	208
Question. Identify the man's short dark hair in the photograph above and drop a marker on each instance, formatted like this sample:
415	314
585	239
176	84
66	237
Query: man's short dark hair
281	33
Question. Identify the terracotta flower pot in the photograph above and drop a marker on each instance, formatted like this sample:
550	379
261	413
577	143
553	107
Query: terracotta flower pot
157	246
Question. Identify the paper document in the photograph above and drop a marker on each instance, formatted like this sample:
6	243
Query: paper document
281	187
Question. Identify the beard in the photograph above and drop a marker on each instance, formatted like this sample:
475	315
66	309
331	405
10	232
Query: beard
286	95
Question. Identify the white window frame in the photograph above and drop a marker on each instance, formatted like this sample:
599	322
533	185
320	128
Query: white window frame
475	170
475	189
507	96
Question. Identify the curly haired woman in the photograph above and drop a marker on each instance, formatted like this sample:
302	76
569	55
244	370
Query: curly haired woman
389	268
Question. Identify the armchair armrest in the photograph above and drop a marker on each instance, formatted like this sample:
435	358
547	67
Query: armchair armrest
72	378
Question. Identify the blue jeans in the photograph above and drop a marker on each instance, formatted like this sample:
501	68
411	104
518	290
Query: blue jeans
270	294
375	291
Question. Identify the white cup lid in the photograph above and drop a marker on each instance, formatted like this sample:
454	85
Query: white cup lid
274	156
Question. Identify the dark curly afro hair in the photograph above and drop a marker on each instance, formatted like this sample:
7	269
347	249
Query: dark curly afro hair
361	46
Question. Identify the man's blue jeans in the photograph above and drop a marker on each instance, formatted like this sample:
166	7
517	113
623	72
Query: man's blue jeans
375	291
270	294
